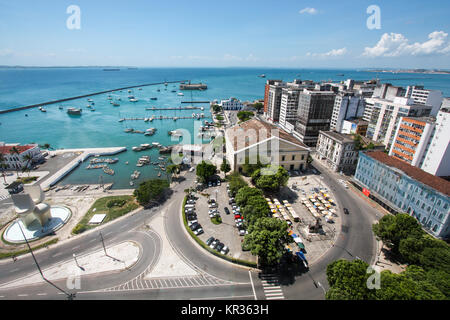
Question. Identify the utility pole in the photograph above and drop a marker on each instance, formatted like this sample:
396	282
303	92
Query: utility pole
103	243
70	296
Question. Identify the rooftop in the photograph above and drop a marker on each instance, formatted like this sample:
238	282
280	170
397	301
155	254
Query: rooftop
263	131
5	149
341	137
437	183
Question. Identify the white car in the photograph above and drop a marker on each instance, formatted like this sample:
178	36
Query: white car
192	169
212	205
224	250
198	231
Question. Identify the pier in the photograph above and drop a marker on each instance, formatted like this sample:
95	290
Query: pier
195	101
175	108
159	118
85	154
86	96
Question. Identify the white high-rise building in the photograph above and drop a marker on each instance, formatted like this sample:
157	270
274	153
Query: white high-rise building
425	97
437	160
346	106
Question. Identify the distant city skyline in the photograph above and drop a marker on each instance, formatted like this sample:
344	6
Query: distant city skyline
298	34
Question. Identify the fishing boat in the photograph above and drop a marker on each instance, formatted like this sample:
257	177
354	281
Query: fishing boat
134	100
156	144
60	107
90	100
159	174
150	132
129	130
115	104
181	94
131	183
108	170
153	99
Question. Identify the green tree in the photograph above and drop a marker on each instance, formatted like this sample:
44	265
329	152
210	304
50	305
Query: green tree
249	168
392	229
245	193
173	169
28	158
236	182
256	208
150	191
216	108
348	280
266	239
205	171
258	106
245	115
270	181
3	166
225	167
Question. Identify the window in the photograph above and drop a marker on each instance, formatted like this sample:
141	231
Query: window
293	158
283	158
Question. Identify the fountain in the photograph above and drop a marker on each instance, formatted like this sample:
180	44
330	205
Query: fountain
35	217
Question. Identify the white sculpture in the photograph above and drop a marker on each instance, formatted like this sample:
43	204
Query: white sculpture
29	206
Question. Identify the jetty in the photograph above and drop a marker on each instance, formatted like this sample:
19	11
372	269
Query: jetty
195	101
85	96
159	118
175	108
83	155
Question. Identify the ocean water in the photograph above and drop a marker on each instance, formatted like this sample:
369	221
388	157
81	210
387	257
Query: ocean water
26	86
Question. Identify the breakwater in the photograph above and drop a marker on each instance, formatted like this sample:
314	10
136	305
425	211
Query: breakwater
86	96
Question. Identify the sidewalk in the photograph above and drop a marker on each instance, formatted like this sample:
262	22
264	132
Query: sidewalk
120	257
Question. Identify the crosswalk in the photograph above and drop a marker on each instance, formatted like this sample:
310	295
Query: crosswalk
271	287
141	283
4	197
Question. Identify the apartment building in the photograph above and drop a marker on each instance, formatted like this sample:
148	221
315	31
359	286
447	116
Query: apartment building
386	114
412	140
347	105
423	96
437	159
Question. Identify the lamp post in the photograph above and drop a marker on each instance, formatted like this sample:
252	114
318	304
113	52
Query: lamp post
70	296
103	243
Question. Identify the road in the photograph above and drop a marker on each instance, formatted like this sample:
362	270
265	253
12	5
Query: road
217	279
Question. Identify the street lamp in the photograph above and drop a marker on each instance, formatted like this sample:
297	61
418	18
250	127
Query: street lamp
70	296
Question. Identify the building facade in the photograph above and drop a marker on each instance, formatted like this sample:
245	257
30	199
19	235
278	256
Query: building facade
356	126
437	158
412	140
347	105
402	188
16	161
255	139
386	114
423	96
338	150
274	101
314	115
231	104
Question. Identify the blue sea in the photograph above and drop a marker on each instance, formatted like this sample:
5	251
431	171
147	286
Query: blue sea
101	128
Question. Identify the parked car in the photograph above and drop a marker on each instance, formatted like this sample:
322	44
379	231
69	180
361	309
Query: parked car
242	232
237	216
227	211
239	225
209	184
218	182
346	211
209	241
224	250
191	217
198	231
212	211
212	205
219	246
195	226
192	169
231	201
214	243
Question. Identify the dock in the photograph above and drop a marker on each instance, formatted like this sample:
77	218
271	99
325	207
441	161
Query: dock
159	118
174	108
84	154
86	96
195	102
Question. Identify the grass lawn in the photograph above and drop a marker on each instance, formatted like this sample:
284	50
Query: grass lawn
26	180
216	220
114	207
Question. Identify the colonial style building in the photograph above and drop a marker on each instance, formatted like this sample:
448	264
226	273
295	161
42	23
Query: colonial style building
402	188
255	139
16	161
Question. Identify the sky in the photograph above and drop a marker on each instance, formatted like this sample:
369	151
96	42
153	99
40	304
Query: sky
231	33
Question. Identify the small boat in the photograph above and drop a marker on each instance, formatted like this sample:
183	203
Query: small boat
90	100
89	106
262	76
153	99
181	94
115	104
159	174
158	90
74	111
174	90
92	109
60	107
127	163
134	100
131	183
129	130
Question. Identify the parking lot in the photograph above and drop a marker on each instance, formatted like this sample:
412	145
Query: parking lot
216	198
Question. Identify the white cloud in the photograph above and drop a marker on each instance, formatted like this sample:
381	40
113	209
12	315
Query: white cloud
396	45
332	53
6	53
309	11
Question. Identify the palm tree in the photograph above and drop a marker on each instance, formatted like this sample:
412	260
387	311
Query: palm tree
15	151
28	158
3	166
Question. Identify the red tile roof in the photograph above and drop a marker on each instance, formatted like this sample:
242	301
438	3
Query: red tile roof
6	149
426	178
263	131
